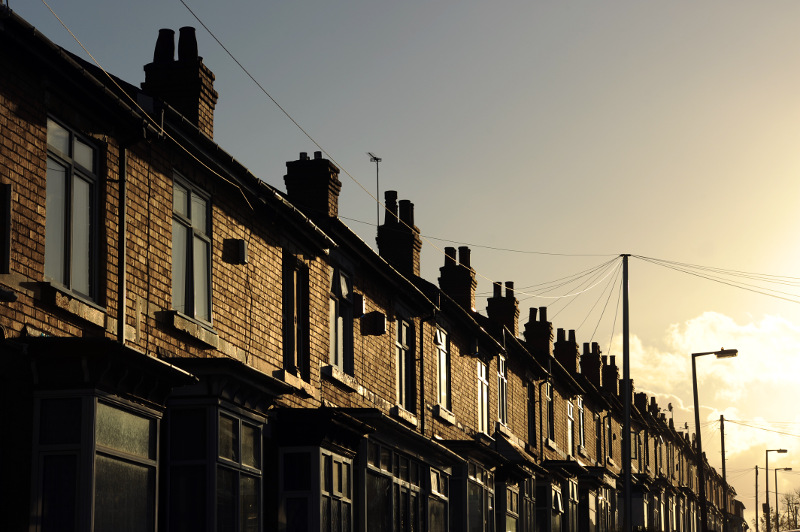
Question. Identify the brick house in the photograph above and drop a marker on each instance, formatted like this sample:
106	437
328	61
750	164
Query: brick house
188	348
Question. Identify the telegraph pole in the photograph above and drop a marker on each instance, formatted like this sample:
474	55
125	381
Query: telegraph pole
626	379
724	476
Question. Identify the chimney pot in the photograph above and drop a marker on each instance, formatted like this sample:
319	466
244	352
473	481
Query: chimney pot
407	212
165	47
497	289
542	313
187	44
572	336
509	289
586	348
303	156
449	256
464	256
317	155
560	335
532	314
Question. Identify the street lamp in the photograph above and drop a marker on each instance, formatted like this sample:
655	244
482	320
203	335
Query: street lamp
766	478
777	513
722	353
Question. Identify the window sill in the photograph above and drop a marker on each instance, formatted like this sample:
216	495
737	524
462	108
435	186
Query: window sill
444	414
550	444
300	386
335	374
404	415
77	306
611	462
201	333
503	429
582	451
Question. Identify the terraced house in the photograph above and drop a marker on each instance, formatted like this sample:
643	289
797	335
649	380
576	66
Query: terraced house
185	347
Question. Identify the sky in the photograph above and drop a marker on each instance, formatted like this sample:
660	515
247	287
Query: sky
550	137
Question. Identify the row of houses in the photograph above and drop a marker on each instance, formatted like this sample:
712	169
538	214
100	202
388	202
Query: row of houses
185	347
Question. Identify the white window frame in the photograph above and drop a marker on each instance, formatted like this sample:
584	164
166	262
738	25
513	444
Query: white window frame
483	398
502	390
442	342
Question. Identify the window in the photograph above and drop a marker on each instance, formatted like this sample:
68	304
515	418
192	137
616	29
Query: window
528	505
341	322
551	412
480	499
581	424
191	252
483	399
336	493
215	469
70	255
295	318
5	228
532	414
316	491
404	360
238	474
395	491
609	438
442	343
570	428
512	509
502	390
108	471
598	437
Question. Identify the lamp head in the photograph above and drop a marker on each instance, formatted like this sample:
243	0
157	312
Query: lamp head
782	451
726	353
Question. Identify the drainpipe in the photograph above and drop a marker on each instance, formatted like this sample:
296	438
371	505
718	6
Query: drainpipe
122	247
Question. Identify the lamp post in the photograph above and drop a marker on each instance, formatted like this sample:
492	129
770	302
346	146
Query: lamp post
377	160
722	353
777	513
766	478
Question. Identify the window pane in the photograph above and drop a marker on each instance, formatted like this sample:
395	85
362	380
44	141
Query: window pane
124	496
202	303
229	438
59	493
251	450
249	494
60	421
379	503
84	155
81	235
125	431
179	239
297	514
199	215
437	516
55	222
57	137
226	500
180	200
475	505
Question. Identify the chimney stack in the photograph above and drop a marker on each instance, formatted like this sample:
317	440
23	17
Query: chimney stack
566	351
592	364
539	334
313	186
504	309
611	375
458	280
399	240
186	84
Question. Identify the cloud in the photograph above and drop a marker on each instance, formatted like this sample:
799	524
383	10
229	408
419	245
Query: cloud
756	392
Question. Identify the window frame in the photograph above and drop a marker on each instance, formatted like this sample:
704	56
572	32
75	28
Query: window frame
441	341
483	397
191	284
405	374
340	325
502	390
581	424
6	190
570	428
296	321
65	259
551	411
